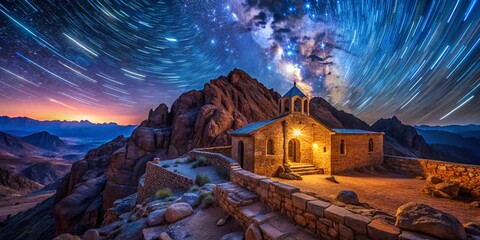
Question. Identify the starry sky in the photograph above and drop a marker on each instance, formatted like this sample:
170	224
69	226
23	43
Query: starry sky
113	60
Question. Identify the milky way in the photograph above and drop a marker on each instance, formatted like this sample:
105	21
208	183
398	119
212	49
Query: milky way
113	60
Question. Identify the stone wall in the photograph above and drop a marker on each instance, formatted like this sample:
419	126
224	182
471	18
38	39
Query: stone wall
156	178
219	161
356	151
225	150
321	217
467	176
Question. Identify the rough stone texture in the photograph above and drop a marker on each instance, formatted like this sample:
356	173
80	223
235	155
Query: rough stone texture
348	197
67	236
178	211
379	229
407	235
253	232
132	230
91	234
425	219
153	233
448	189
158	177
467	176
233	236
156	217
314	139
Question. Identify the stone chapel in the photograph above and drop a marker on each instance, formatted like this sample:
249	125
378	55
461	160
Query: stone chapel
307	145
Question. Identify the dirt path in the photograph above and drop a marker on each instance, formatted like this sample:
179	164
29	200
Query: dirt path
202	225
386	192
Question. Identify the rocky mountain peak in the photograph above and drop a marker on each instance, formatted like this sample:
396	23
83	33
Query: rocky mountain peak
45	140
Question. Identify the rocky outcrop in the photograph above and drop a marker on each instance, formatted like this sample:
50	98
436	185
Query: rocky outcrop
425	219
45	140
46	173
13	184
406	136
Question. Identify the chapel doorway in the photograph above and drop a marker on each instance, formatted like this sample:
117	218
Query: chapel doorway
241	153
294	150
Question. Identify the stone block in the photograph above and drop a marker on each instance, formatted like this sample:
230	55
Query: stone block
260	219
379	229
345	232
336	213
317	207
285	190
357	222
407	235
300	200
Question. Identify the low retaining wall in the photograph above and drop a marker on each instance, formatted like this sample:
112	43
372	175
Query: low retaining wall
157	177
218	160
319	216
225	150
467	176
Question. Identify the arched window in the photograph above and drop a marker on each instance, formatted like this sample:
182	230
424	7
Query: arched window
298	105
324	149
370	145
287	105
270	147
305	106
342	147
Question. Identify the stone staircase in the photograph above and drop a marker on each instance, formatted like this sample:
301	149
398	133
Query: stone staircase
247	209
304	169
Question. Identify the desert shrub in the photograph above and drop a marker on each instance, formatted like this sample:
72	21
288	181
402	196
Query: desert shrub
206	200
194	189
202	161
201	179
164	193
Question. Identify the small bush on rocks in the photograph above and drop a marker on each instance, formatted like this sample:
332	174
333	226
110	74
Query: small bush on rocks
194	189
201	179
164	193
207	200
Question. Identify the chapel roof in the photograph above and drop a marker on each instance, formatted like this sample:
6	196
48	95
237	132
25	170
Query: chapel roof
294	91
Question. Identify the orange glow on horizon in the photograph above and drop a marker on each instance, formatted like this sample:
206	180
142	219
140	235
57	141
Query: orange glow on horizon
45	111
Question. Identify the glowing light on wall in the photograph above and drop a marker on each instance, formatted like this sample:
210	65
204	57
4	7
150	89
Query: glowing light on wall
297	132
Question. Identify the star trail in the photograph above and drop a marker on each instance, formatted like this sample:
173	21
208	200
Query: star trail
113	60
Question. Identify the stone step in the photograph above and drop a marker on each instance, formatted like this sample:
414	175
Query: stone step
254	210
296	166
303	169
308	172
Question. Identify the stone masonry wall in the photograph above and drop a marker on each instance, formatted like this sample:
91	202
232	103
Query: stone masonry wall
467	176
157	177
225	150
321	217
219	161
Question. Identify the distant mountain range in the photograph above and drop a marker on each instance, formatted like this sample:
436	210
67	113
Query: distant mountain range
462	143
22	126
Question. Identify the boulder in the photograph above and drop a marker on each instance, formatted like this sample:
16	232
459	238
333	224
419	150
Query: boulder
433	180
348	197
253	232
67	236
233	236
164	236
472	228
91	234
153	233
156	217
425	219
447	189
332	179
132	230
178	211
190	198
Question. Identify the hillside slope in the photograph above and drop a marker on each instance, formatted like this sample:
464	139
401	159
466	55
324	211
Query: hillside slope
197	119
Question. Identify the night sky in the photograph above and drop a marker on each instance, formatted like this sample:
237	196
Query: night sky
113	60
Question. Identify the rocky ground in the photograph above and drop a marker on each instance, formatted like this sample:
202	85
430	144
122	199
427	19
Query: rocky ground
386	191
192	215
